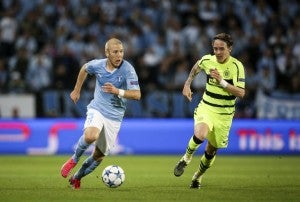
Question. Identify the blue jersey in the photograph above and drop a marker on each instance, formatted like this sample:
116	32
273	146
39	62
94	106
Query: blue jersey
124	77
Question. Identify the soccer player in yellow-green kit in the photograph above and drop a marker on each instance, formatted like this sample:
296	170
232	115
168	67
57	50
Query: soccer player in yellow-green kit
214	114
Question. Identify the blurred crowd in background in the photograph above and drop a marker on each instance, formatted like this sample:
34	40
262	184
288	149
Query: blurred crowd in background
43	43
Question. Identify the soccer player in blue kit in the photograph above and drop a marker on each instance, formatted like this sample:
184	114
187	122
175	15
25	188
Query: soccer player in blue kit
116	81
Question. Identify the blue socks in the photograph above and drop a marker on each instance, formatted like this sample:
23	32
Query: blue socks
80	149
87	167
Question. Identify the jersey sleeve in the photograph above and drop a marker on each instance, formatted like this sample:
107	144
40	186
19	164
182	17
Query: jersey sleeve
132	80
202	62
239	81
90	66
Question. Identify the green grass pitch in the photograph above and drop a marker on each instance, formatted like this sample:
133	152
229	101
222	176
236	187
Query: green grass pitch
150	178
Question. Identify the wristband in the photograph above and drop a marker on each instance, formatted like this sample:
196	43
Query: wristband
223	83
121	93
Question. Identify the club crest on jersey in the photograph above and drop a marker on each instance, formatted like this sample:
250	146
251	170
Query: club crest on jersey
119	78
226	73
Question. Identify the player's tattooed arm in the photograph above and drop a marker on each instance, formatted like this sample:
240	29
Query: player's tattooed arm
193	73
187	85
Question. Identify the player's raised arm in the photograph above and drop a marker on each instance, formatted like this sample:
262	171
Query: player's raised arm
238	92
187	85
75	94
128	94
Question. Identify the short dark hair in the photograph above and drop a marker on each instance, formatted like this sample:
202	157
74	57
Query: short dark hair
224	37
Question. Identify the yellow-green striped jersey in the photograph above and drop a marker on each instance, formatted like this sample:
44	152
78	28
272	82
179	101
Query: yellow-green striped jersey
215	97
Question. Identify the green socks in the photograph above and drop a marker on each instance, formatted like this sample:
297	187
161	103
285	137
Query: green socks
193	145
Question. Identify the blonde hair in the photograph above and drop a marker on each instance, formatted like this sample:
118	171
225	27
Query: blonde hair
111	42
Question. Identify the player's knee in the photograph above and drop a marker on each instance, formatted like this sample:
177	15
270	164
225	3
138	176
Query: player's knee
89	139
90	135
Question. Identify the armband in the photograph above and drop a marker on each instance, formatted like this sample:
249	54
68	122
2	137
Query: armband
121	93
223	83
